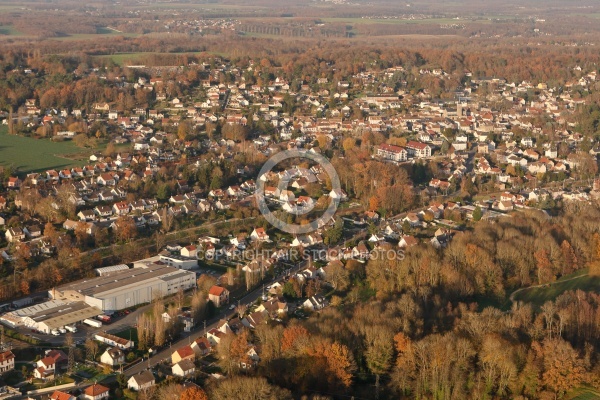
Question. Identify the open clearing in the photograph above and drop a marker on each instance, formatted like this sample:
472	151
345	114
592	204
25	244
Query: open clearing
576	281
35	155
584	394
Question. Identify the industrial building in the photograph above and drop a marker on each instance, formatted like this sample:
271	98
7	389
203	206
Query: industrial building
50	315
179	261
126	288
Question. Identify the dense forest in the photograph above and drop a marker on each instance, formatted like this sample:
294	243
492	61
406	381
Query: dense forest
419	328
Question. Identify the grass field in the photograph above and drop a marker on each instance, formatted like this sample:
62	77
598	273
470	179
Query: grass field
34	155
583	394
121	58
138	58
359	21
9	31
539	295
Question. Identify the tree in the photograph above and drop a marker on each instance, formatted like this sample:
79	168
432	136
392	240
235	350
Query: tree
125	228
81	234
563	369
379	349
144	331
477	214
24	286
348	144
249	388
295	339
166	220
570	262
184	129
193	393
110	149
544	266
205	282
337	276
341	363
91	347
51	233
122	380
374	203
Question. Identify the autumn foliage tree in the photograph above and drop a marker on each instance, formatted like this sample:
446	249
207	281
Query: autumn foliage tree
193	393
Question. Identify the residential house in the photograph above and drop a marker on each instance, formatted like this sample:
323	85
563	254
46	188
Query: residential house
260	235
14	234
58	395
201	346
121	208
189	251
7	361
96	392
86	215
45	368
214	336
183	368
407	241
32	231
141	381
106	179
183	353
315	303
218	295
14	182
412	219
103	211
338	194
113	357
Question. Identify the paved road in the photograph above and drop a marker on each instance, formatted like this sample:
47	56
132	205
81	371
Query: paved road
187	337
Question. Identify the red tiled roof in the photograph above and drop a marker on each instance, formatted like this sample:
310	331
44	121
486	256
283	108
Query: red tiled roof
216	290
95	390
58	395
186	351
7	355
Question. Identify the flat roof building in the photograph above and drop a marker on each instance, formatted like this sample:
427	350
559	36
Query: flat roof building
126	288
50	315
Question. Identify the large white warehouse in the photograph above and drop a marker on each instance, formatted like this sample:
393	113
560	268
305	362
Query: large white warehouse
127	288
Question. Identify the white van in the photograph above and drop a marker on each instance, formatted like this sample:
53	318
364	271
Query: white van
55	332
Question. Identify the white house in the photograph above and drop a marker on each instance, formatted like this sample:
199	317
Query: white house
183	368
113	357
7	361
141	381
260	235
315	303
189	251
96	392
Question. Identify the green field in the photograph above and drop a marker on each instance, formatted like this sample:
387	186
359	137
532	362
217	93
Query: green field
359	21
584	394
9	30
34	155
138	58
539	295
